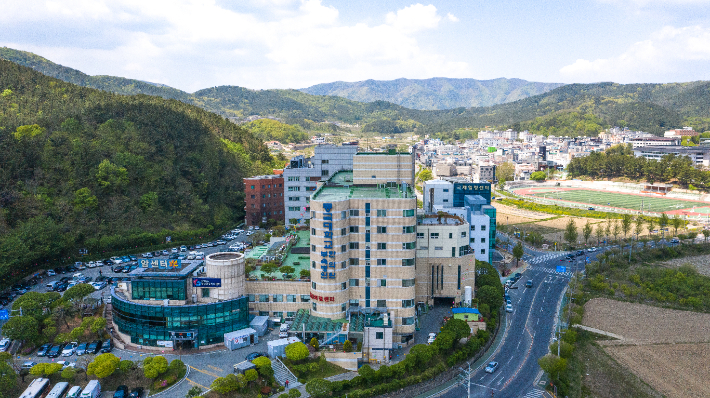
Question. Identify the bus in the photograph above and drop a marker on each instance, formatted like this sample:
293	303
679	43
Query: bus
36	388
58	390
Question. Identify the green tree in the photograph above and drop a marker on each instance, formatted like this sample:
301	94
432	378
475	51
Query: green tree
505	171
149	202
110	176
676	222
78	292
626	222
458	327
367	373
538	176
68	374
227	384
347	346
663	222
425	175
319	388
297	351
599	233
261	361
305	273
566	349
52	368
39	369
98	325
84	200
587	232
650	225
314	343
553	365
491	296
571	234
706	234
154	366
8	377
195	391
103	365
23	328
638	226
287	269
294	393
518	252
251	375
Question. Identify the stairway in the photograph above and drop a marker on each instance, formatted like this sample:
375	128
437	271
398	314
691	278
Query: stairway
281	373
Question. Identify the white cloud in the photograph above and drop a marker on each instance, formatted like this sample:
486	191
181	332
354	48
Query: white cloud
452	17
414	18
193	44
667	53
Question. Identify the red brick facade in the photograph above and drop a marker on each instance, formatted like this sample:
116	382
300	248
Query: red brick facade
264	199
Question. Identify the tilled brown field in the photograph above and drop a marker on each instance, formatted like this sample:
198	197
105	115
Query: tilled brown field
668	349
640	323
675	370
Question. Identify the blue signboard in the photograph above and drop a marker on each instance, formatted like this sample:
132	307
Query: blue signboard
561	268
160	263
207	282
4	315
469	188
327	264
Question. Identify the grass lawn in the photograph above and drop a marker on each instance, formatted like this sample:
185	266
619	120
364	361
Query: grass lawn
621	200
322	371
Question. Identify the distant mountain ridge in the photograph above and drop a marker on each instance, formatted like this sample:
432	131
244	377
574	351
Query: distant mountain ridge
436	93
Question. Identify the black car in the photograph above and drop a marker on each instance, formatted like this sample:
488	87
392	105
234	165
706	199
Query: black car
121	392
72	268
42	352
255	355
136	393
107	346
65	279
94	347
61	287
55	351
117	269
580	253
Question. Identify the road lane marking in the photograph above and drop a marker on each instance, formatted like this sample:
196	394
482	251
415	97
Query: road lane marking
215	368
195	383
205	372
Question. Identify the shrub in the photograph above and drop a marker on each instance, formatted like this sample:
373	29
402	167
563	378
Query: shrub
103	365
314	343
347	346
297	352
154	366
125	365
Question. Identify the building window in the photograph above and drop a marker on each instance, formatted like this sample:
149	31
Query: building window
343	286
354	261
305	298
251	298
409	245
278	298
253	196
434	235
354	213
343	307
438	247
342	265
383	282
420	235
294	198
343	248
446	200
313	264
324	161
407	303
294	178
354	229
290	314
263	313
483	251
290	298
382	246
451	235
313	285
446	189
407	262
483	240
354	245
381	303
205	292
252	187
343	215
323	173
423	247
294	189
313	231
313	248
315	307
355	303
473	227
263	298
381	213
407	282
483	227
408	230
354	282
379	335
343	231
381	230
463	234
408	213
381	261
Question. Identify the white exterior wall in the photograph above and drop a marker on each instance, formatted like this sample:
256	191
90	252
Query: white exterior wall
478	236
443	193
330	158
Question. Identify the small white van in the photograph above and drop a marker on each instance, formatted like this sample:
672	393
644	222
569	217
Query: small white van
92	390
74	392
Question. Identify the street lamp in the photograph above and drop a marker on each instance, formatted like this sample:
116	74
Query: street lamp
468	377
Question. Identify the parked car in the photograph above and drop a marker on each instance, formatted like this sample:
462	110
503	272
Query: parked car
5	345
492	367
432	337
51	272
94	347
55	351
117	269
91	264
61	287
69	349
580	253
136	393
592	249
255	355
107	346
121	392
81	349
67	364
509	307
529	283
42	352
28	365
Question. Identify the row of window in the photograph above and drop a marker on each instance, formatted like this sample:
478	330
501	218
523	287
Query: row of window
265	205
378	303
473	227
267	186
435	235
354	282
407	262
356	212
278	298
463	250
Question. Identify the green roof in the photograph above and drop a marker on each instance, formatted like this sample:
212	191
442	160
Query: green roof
316	323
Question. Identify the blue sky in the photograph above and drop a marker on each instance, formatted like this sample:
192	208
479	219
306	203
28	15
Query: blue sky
194	44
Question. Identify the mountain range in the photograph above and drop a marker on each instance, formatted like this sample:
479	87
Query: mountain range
435	93
571	109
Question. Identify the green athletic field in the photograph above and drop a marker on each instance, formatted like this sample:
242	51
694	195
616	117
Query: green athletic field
620	200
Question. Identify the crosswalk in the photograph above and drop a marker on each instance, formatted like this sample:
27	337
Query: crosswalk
545	257
550	271
534	393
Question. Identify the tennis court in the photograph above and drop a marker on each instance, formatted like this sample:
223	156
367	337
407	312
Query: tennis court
620	200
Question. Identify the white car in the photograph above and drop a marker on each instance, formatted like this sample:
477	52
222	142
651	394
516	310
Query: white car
492	367
174	250
432	337
509	308
69	349
592	249
50	272
116	260
249	233
4	345
67	364
98	285
77	275
91	264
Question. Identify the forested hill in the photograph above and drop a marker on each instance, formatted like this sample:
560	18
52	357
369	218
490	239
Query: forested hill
435	93
83	168
572	109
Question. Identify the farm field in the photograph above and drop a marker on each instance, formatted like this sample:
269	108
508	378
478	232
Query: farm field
661	346
613	199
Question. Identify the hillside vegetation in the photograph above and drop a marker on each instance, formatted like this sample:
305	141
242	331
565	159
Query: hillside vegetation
573	109
435	93
83	168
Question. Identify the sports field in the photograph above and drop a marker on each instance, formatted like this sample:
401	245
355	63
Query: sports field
613	199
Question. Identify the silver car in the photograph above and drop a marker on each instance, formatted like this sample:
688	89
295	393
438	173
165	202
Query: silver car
69	349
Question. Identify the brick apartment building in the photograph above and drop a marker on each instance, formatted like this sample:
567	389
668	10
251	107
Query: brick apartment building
264	199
